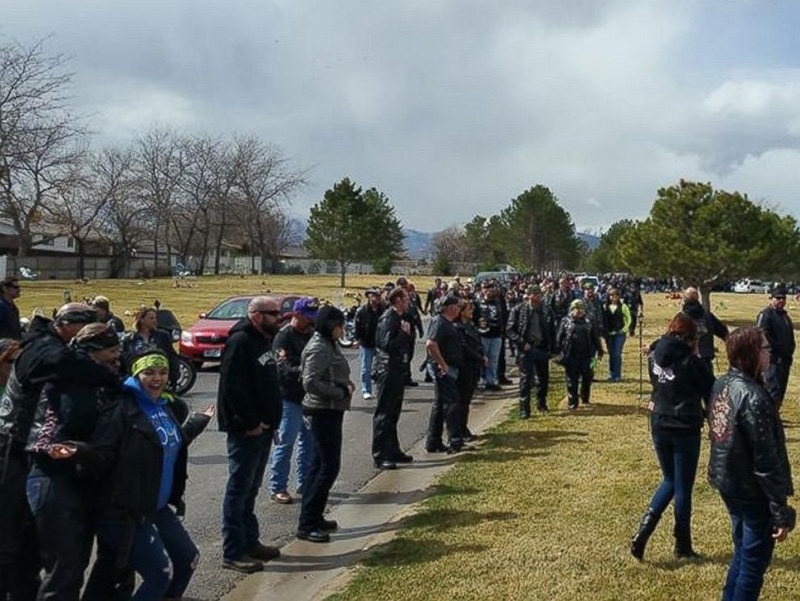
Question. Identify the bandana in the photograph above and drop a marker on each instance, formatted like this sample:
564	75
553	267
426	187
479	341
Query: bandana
148	361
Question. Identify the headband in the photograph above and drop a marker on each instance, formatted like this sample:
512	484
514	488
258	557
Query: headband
148	361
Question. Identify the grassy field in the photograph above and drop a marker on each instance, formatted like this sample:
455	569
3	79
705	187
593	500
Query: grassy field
186	302
546	508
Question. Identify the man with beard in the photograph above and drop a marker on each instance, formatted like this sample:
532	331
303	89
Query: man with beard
708	326
777	326
249	411
530	329
394	340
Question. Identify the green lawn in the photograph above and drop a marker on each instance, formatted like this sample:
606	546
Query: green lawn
546	508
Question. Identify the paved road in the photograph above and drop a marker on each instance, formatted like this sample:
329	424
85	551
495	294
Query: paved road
208	474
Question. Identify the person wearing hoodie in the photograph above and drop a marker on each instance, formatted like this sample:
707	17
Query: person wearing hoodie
139	453
681	387
707	323
748	464
248	411
44	357
329	391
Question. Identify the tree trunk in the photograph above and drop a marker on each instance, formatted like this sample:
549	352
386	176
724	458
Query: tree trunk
219	247
206	235
705	296
81	266
155	250
25	244
343	273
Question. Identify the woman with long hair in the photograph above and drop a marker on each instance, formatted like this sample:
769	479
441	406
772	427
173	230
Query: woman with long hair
616	322
681	385
749	465
146	334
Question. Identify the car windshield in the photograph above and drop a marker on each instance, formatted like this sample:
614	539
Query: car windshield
232	309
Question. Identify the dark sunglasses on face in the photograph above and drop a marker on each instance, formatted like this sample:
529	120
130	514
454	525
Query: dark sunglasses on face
273	312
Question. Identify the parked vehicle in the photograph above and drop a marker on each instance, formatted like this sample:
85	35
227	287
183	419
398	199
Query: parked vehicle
751	287
503	277
204	341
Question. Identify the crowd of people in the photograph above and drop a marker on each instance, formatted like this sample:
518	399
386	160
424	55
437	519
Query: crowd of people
94	447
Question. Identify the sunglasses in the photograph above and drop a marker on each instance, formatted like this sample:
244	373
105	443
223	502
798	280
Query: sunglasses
274	312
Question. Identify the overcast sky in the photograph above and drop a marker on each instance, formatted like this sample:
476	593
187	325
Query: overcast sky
453	107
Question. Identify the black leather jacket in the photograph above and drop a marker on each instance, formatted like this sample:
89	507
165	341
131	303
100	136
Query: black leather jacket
748	460
366	324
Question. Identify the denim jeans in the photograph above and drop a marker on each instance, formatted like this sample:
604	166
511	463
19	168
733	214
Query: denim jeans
247	462
326	432
62	509
367	357
291	429
752	549
615	342
678	451
491	348
161	552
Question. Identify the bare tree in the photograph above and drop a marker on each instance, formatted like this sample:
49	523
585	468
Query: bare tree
41	142
264	180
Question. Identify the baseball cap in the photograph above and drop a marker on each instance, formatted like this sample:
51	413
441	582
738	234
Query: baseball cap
308	306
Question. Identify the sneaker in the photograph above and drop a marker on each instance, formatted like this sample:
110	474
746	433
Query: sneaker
366	396
244	564
282	498
264	553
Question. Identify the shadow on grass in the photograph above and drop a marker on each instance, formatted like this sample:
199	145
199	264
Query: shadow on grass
403	552
443	519
531	440
609	410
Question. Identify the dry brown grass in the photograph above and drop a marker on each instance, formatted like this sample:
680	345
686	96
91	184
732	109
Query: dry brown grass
546	509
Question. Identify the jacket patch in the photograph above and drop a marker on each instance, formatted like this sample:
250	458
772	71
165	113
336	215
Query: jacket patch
721	422
664	374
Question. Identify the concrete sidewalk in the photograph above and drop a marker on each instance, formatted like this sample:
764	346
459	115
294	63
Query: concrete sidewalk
308	571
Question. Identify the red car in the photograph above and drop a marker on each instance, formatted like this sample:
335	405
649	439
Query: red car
204	341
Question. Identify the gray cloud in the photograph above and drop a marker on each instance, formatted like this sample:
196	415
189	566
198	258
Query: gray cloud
451	108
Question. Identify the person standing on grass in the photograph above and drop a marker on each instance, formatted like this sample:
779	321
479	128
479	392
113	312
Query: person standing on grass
681	386
248	411
708	326
394	340
530	329
366	319
329	392
288	346
777	326
748	463
579	344
617	322
445	350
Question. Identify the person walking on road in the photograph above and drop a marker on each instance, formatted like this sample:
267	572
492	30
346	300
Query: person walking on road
447	354
748	463
777	326
329	392
394	340
288	346
248	411
367	317
707	323
530	328
681	387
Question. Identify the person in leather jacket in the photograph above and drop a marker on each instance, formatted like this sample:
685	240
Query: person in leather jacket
366	319
777	326
681	387
578	340
139	453
474	360
748	464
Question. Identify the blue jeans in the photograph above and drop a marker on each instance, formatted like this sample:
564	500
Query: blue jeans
161	552
326	433
491	348
247	462
752	550
678	451
291	429
367	356
615	342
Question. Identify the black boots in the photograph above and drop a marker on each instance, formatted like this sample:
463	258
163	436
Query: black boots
646	528
524	409
683	546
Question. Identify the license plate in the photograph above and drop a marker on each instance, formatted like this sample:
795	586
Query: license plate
214	353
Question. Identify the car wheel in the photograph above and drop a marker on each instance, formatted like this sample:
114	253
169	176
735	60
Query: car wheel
187	376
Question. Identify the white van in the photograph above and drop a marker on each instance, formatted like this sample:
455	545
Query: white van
751	287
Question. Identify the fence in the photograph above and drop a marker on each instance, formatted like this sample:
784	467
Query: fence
66	268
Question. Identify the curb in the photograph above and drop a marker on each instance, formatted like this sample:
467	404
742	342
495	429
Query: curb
307	571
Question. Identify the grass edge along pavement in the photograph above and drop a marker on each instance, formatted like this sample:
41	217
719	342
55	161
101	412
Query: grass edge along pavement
545	509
